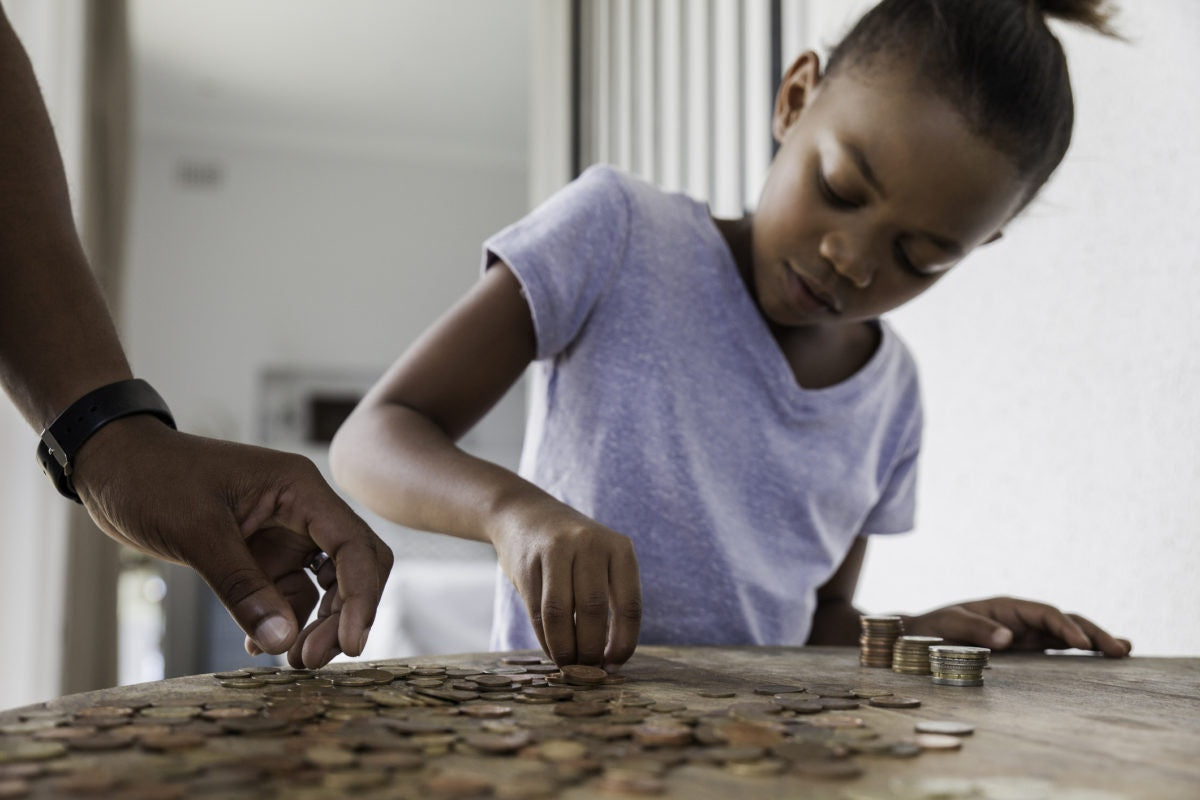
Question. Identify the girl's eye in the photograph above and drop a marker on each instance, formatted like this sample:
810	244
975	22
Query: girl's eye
833	198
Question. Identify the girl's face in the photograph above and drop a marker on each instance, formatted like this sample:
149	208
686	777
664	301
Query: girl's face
878	188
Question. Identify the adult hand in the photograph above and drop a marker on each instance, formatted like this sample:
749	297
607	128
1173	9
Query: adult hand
1009	623
249	520
579	581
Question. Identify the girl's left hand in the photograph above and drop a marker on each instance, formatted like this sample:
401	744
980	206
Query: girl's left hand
1009	623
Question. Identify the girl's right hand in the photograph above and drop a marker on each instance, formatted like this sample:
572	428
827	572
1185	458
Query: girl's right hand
579	581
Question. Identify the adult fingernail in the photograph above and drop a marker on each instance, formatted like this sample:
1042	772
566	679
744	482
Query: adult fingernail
273	632
1001	638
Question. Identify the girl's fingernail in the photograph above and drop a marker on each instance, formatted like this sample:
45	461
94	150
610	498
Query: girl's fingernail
1001	637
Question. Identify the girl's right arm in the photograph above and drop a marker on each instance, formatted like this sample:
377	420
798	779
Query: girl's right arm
397	454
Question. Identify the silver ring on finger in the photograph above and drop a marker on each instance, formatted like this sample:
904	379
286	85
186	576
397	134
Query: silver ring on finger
318	561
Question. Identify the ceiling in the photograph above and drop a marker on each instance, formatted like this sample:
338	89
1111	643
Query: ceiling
415	73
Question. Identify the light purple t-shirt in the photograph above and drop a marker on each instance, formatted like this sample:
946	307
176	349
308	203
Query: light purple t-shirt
662	407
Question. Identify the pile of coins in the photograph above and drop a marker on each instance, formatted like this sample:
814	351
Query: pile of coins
958	666
910	655
520	728
879	634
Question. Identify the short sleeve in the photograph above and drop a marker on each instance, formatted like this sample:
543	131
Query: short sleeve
566	253
896	510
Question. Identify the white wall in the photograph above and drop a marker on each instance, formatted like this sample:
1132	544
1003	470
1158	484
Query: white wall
32	514
294	257
1060	365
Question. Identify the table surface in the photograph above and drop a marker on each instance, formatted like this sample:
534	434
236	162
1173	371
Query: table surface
1054	726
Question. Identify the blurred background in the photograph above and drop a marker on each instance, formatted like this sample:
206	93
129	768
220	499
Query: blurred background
280	195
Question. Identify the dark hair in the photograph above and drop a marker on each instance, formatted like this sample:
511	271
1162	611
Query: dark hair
996	61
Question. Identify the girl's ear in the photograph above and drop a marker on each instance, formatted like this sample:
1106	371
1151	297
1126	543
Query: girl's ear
796	91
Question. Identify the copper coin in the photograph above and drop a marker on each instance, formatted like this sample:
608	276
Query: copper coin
581	708
486	711
838	703
579	673
498	743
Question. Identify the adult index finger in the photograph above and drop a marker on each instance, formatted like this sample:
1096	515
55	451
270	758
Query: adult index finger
362	560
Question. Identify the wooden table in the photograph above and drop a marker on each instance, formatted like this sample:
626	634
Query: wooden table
1045	726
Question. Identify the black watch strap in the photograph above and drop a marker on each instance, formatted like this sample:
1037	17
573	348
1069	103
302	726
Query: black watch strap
67	434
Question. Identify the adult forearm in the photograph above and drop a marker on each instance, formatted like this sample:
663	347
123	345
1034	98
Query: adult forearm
406	469
57	340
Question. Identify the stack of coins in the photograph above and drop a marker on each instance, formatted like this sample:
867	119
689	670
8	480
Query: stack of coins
911	654
879	634
958	666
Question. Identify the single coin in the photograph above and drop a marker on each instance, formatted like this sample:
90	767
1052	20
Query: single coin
763	768
551	692
561	750
832	770
717	695
836	721
945	727
172	741
492	681
894	701
658	735
581	708
62	734
520	661
330	757
486	711
774	689
242	683
14	787
101	741
229	712
937	741
454	785
498	743
838	703
802	706
104	711
399	760
580	673
867	692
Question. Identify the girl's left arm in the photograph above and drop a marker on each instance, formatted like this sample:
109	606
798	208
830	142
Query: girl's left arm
835	622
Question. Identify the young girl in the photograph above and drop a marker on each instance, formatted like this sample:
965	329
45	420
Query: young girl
719	416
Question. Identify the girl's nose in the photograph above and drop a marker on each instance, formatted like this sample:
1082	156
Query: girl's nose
850	257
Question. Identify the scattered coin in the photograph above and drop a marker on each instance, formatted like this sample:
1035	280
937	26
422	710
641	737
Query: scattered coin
937	741
894	701
944	727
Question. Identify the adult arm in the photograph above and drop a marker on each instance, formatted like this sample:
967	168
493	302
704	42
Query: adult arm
247	519
397	454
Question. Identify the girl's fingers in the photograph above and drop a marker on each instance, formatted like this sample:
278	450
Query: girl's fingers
556	614
961	624
625	588
590	577
1106	643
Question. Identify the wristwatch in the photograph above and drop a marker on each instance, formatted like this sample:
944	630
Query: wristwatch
64	437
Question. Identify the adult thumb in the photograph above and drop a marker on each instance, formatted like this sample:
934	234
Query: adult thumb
250	598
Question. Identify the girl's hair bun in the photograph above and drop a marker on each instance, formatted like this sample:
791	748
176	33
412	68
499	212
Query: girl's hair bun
1095	14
